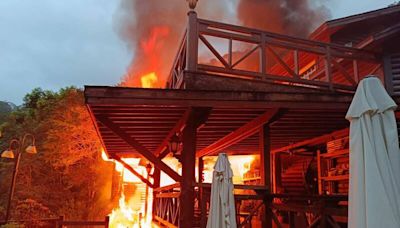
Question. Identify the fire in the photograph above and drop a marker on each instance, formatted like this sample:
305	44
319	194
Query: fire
150	63
240	164
149	80
135	202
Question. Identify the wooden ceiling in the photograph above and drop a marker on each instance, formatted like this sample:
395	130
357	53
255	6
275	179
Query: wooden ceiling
149	121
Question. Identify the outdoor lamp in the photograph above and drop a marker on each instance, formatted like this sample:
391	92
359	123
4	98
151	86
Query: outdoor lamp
31	149
8	154
192	4
174	144
148	168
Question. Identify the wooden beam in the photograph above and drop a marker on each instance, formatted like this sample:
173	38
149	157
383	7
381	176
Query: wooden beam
130	97
162	149
139	148
239	134
133	171
315	141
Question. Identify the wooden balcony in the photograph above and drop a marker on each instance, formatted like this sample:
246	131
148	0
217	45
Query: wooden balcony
267	58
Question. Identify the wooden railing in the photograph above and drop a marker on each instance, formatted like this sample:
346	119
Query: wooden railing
166	205
266	56
253	205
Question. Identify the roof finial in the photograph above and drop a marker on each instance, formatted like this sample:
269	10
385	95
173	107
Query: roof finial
192	4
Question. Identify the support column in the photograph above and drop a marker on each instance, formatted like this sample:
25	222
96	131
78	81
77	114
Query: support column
277	173
188	159
192	42
265	163
202	199
156	184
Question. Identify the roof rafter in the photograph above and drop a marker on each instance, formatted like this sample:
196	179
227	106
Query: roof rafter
239	134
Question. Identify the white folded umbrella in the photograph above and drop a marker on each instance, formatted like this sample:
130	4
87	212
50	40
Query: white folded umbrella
222	205
374	188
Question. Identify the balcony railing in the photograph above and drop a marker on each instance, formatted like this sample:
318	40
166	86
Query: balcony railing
263	56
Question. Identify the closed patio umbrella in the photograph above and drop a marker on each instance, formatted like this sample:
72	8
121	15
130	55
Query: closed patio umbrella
374	188
222	205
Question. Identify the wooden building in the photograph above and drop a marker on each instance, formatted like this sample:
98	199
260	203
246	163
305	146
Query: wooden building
284	98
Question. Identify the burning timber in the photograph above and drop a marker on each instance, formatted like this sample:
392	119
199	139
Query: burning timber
278	108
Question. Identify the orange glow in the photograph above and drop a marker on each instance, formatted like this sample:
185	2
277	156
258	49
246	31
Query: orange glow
175	165
147	71
149	80
130	211
240	164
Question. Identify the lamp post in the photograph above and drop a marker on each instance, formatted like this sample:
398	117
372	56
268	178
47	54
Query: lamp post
15	150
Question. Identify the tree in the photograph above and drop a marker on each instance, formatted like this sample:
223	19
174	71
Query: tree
67	176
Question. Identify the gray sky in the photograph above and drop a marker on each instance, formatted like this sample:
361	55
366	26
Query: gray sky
57	43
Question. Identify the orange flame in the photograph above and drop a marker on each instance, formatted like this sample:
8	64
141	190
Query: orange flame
149	65
131	210
149	80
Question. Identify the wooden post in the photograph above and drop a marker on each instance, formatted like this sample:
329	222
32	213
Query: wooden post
107	222
192	42
202	200
263	55
59	223
355	69
328	67
156	184
12	186
265	162
296	61
319	172
277	172
188	159
292	222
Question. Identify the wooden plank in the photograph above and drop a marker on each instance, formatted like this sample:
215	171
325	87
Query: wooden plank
215	52
139	148
344	72
133	171
239	134
161	98
278	58
164	222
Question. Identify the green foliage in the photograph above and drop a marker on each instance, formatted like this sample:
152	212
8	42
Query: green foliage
67	176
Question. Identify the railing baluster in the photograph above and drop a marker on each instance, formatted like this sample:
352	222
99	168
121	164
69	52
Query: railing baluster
296	61
355	68
263	57
328	67
230	53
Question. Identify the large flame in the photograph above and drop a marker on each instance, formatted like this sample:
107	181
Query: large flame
149	63
149	80
131	211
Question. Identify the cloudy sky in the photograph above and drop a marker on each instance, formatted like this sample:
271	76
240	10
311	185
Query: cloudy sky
56	43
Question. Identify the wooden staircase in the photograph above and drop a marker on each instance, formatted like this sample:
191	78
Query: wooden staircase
293	178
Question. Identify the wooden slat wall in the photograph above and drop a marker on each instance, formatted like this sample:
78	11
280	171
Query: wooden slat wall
395	72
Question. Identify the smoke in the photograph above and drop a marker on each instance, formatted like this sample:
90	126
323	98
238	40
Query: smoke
290	17
153	29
